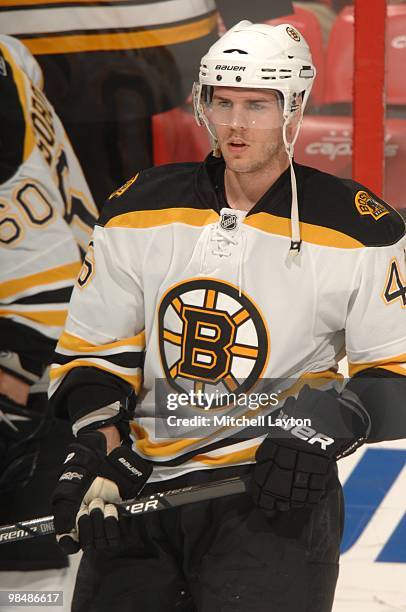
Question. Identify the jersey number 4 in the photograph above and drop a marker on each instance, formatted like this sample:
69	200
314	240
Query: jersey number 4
395	288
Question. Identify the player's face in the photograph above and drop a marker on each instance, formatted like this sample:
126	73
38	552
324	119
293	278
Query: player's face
248	125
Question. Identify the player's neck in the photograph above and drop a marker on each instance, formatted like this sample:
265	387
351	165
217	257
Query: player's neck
244	189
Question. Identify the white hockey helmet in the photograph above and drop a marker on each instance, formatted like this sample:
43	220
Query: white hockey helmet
254	55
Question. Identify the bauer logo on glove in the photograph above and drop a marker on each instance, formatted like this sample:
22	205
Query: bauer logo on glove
92	482
71	476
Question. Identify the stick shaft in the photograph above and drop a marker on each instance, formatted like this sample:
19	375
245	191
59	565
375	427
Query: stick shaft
32	528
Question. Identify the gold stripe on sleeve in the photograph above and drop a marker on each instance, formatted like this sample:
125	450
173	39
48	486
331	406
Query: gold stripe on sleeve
142	39
54	318
47	277
79	345
57	371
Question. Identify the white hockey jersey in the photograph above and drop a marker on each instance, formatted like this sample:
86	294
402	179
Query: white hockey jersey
178	286
47	212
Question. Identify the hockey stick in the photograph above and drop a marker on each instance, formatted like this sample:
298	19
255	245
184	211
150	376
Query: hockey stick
32	528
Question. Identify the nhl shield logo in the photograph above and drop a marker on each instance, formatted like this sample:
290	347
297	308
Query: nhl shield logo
229	221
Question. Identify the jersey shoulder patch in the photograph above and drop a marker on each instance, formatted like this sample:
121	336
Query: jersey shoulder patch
350	208
119	192
157	188
378	224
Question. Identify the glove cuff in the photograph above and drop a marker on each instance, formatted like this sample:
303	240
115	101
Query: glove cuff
127	469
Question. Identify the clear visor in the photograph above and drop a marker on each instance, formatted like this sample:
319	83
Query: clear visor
241	108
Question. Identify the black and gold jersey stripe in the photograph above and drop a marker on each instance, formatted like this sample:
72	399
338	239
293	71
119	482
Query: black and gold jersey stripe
98	374
395	364
191	195
81	41
122	359
55	27
17	288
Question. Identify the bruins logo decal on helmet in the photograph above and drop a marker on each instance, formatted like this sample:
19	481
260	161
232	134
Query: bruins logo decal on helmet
293	33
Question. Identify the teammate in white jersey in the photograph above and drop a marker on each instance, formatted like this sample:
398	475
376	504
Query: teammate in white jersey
110	66
207	278
46	219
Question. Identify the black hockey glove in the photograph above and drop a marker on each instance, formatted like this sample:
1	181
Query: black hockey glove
21	428
293	464
91	482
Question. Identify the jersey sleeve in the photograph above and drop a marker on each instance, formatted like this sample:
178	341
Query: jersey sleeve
376	338
13	124
25	59
46	217
99	356
39	265
376	322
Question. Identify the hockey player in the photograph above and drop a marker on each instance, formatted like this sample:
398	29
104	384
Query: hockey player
207	278
46	218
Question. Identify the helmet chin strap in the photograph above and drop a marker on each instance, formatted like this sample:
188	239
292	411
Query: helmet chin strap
213	137
296	241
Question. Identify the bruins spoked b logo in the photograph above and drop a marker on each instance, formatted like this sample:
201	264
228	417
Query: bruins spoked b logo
210	337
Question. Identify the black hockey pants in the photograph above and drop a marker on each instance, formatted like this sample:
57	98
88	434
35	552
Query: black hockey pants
221	555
